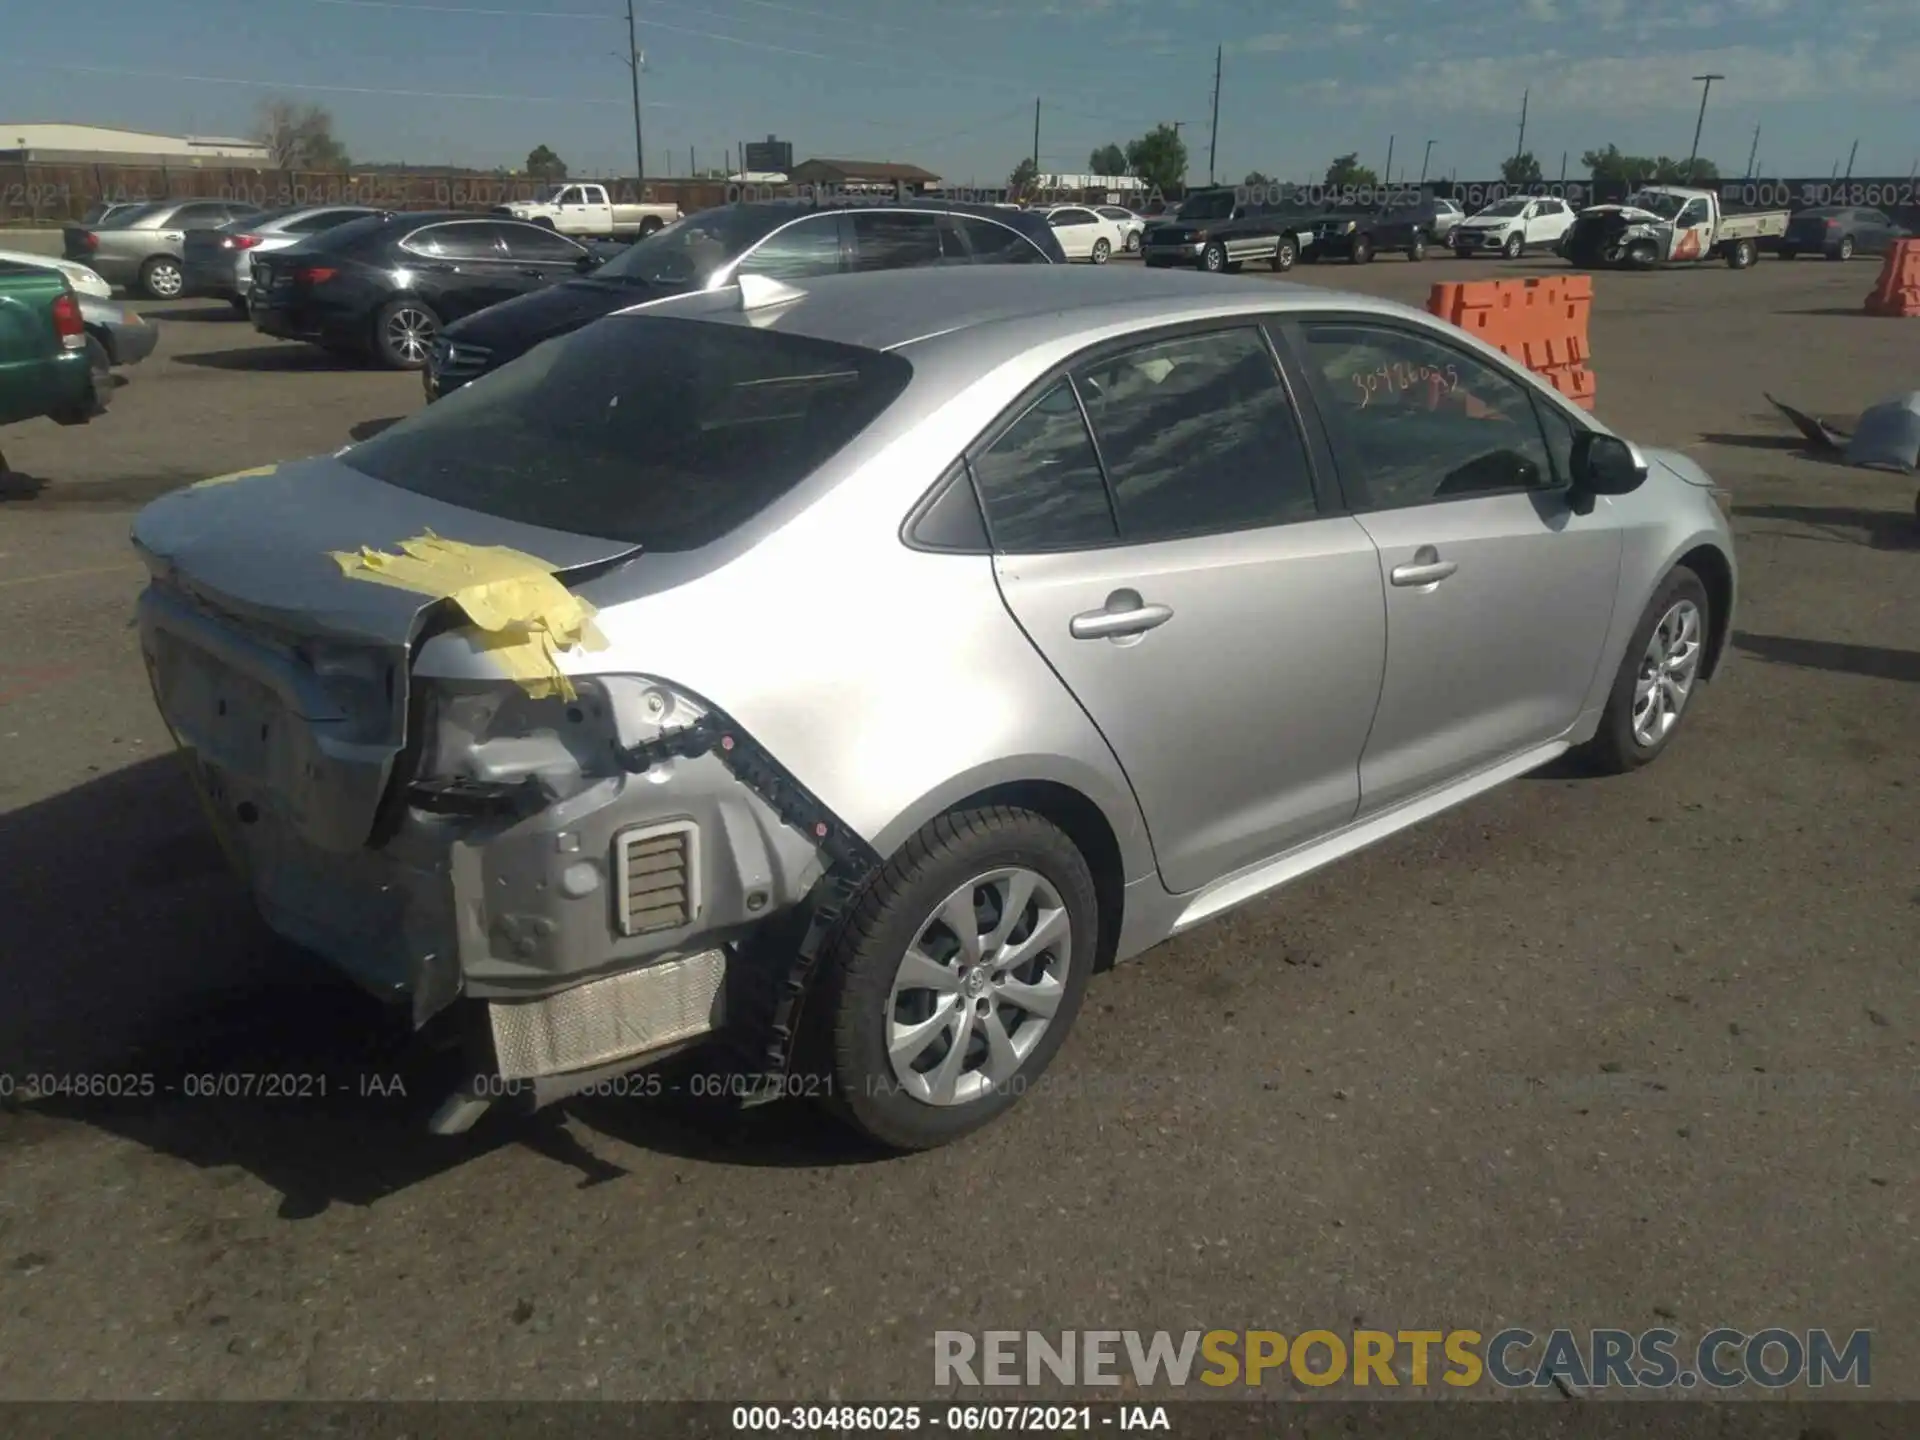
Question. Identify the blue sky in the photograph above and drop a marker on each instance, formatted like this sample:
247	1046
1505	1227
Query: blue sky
950	84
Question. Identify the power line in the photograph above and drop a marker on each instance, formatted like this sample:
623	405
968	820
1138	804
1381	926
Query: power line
331	89
998	81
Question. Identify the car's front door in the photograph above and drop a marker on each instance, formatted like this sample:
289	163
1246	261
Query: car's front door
1693	232
542	257
1220	624
1547	222
1499	593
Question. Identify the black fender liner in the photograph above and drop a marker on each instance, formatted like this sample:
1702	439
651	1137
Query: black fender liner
767	982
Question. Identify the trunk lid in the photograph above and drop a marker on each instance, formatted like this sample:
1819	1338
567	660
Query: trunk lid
271	665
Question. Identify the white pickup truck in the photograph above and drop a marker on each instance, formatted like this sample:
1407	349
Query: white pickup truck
588	212
1669	224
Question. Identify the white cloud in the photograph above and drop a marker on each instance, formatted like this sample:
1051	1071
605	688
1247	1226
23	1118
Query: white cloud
1543	10
1657	82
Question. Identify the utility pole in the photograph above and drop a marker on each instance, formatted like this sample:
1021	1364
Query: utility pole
1563	170
1386	177
634	62
1521	147
1036	140
1850	154
1213	140
1754	153
1706	89
1424	159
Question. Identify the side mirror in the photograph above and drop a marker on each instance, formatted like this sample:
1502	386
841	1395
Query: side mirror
1606	465
588	261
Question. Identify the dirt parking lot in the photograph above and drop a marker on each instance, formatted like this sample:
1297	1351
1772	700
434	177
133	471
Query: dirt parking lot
1583	1053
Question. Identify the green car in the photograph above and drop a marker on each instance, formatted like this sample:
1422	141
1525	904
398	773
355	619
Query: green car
43	350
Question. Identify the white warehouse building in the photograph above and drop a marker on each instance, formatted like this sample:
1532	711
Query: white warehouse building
109	145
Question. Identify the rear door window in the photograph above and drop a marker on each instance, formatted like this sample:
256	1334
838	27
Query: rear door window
1040	481
1199	437
997	244
895	239
662	432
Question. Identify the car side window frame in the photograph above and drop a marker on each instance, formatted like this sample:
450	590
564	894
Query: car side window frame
1294	350
842	240
499	251
1314	456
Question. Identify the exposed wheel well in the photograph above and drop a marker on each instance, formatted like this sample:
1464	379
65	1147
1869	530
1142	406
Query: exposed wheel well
1714	572
1084	824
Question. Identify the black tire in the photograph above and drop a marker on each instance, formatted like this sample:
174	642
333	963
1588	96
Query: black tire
1514	248
1642	257
240	305
1284	255
162	278
850	1008
1362	251
387	346
1213	259
1417	247
1102	251
1844	251
1613	749
1132	244
1742	254
649	225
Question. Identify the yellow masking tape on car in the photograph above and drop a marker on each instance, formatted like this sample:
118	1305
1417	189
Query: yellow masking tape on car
527	617
236	475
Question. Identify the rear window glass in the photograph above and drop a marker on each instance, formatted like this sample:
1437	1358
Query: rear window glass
664	433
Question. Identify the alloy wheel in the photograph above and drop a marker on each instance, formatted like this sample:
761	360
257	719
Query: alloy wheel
410	334
979	986
165	281
1667	672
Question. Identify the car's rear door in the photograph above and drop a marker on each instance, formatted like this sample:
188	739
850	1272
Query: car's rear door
463	266
1161	537
1499	592
542	257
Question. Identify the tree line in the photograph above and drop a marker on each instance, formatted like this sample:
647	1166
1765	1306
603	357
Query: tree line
1159	158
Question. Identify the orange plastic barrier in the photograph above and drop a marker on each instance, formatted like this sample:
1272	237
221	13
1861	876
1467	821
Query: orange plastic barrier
1897	291
1541	322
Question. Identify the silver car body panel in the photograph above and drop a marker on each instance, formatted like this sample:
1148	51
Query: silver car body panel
1282	717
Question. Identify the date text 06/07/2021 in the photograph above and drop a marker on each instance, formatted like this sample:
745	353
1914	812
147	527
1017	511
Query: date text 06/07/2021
797	1420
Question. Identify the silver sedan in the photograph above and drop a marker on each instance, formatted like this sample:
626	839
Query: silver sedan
840	673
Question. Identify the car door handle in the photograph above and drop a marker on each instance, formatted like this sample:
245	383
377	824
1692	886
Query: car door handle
1426	568
1125	614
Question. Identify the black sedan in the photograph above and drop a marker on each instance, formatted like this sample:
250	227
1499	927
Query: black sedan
782	241
384	287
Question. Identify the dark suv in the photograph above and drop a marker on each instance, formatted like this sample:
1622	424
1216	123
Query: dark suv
1223	229
775	239
1358	233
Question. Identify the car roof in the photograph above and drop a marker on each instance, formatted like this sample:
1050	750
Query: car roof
1004	308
